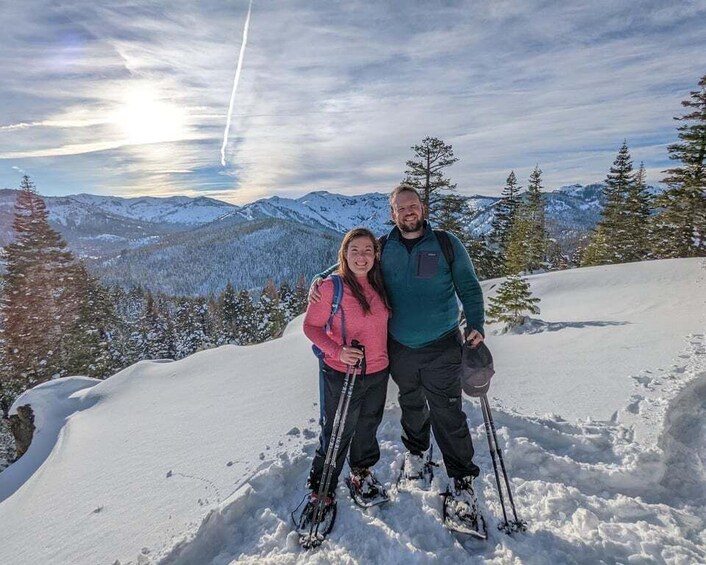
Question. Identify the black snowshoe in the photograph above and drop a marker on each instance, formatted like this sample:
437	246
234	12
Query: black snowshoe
365	489
315	521
461	513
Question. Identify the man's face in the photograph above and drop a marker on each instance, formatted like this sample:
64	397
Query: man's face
406	210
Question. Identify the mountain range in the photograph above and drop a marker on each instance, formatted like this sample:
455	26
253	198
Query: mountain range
194	246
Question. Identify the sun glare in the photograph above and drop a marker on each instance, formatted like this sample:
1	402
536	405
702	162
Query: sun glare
145	118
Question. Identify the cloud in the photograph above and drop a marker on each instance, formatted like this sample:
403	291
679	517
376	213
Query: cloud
332	95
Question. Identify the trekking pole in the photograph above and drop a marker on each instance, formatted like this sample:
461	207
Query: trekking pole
517	525
493	451
339	423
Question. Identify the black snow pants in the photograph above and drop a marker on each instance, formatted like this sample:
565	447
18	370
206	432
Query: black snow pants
360	432
430	397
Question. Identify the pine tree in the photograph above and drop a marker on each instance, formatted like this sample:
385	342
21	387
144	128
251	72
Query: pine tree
598	250
636	246
190	326
39	306
504	212
536	244
618	183
131	308
512	303
680	225
89	347
518	257
271	321
485	262
157	329
246	316
622	233
447	213
450	213
556	258
229	313
301	294
288	302
426	173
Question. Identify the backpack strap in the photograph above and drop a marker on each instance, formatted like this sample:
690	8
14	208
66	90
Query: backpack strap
446	245
336	306
382	240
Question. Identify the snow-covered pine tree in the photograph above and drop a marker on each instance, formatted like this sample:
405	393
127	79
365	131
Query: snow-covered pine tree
90	347
504	212
536	244
190	327
426	171
287	302
271	321
556	258
157	329
39	305
680	224
246	319
301	292
229	314
513	303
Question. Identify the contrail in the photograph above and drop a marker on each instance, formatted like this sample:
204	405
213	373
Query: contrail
235	85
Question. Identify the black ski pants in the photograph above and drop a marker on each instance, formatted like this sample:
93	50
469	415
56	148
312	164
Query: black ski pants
430	397
360	432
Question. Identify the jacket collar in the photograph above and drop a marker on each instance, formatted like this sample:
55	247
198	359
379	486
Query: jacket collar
395	233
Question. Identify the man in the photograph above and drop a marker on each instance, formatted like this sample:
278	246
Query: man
425	345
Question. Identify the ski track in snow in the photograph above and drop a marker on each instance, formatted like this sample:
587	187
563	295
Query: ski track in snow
590	491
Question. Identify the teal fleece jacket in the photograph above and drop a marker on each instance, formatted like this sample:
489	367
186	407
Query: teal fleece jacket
422	289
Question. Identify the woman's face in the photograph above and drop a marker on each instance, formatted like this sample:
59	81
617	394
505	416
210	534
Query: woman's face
360	255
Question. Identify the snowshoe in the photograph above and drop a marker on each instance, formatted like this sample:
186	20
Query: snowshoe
461	513
417	471
312	531
365	489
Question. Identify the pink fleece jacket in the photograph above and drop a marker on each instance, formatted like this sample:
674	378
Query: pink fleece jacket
370	330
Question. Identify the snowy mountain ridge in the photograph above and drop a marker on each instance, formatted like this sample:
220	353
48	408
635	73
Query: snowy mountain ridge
153	242
84	217
179	210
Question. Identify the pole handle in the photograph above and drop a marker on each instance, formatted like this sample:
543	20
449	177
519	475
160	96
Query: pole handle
360	347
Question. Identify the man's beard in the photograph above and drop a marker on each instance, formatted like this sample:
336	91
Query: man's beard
411	228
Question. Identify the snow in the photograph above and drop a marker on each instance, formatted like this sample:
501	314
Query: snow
181	210
600	414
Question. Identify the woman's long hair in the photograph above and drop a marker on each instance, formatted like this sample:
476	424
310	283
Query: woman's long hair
374	274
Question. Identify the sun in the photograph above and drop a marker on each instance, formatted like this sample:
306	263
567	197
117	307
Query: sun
144	117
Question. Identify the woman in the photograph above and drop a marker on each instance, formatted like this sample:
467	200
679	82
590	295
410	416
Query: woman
364	311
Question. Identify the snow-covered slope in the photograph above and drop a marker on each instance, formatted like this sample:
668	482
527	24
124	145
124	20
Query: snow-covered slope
200	461
202	261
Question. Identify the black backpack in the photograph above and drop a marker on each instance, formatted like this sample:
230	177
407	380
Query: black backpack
444	241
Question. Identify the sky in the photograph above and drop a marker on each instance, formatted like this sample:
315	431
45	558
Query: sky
132	98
